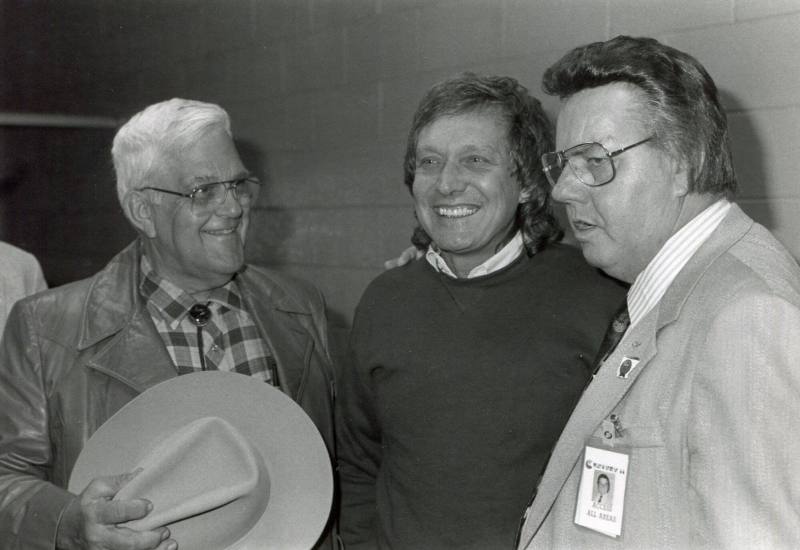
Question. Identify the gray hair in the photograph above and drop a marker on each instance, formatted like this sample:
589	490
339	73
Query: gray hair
142	144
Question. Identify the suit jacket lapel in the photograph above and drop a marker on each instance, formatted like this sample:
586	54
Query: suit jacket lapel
732	228
601	396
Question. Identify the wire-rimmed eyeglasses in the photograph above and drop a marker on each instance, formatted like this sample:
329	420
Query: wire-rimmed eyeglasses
209	196
592	163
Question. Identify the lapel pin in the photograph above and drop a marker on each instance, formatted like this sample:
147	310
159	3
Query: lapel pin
626	366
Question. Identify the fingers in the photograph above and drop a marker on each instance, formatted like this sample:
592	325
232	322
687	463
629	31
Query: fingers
168	544
111	512
108	486
98	506
408	255
123	538
112	537
101	516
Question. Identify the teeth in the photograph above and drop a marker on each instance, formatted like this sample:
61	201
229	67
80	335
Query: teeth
455	211
221	231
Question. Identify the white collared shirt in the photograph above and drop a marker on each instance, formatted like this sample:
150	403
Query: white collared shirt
651	284
499	260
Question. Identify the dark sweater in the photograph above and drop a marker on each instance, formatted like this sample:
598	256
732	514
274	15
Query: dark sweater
455	392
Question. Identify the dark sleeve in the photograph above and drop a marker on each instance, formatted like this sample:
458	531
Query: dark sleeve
30	506
358	439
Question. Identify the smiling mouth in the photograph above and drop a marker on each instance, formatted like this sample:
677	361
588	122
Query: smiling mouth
455	211
221	232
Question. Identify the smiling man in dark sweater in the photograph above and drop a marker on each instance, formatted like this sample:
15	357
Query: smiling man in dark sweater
465	365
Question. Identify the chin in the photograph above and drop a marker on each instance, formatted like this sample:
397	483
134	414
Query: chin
598	260
450	243
227	266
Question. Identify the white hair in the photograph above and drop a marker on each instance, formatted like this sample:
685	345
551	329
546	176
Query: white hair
141	144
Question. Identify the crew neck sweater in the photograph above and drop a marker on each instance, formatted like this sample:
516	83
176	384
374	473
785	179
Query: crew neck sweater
455	392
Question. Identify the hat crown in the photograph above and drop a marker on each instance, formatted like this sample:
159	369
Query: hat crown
206	482
295	485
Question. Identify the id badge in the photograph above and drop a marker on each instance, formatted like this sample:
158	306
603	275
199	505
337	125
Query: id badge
601	493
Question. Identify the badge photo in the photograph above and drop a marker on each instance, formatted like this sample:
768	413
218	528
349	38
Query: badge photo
601	493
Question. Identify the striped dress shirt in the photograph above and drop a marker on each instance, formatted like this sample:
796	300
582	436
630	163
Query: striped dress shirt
651	284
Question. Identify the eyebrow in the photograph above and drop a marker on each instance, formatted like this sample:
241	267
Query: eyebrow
202	180
468	148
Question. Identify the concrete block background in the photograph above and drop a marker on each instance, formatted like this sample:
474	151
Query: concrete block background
321	93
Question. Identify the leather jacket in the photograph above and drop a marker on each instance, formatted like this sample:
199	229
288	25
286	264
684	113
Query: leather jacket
74	355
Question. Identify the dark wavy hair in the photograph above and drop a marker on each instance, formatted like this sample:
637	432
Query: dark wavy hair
681	99
530	134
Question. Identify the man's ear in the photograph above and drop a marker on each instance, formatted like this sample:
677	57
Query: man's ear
685	173
681	178
139	212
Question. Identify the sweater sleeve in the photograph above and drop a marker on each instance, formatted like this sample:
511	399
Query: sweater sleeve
359	441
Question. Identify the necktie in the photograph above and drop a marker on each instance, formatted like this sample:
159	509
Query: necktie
616	329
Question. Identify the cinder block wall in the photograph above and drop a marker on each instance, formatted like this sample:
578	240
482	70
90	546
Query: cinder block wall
321	93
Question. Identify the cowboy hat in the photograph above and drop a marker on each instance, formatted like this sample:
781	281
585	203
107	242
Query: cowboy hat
228	461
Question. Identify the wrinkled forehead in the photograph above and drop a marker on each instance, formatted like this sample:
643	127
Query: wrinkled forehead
475	126
211	157
612	115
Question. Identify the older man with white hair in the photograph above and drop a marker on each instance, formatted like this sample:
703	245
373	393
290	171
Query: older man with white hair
177	300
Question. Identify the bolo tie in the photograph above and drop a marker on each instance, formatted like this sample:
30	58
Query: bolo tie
200	314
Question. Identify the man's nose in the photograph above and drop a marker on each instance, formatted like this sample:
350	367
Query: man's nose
450	179
568	188
230	206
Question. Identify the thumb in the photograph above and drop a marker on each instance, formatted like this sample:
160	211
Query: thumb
108	486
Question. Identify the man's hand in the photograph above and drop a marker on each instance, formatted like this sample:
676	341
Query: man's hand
409	254
90	521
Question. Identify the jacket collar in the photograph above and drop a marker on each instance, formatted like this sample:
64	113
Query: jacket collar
284	322
607	389
112	299
730	230
115	311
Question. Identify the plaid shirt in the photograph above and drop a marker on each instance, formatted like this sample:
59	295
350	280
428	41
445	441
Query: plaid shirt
230	339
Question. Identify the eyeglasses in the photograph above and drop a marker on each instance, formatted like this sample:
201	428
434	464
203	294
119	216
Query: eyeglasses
591	163
209	196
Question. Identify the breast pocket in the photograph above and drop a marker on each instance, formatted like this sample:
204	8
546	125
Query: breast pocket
654	496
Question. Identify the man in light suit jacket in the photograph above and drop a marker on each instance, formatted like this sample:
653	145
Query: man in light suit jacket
702	394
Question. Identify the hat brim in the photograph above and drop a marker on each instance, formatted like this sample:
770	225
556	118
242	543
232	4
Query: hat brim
297	461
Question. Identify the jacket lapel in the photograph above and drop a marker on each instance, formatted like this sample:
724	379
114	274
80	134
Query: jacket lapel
601	396
139	340
607	389
280	320
116	327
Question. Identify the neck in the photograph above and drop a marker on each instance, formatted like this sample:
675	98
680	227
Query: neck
693	204
198	288
462	264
